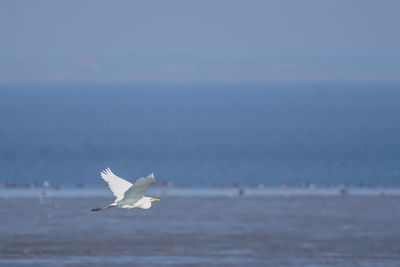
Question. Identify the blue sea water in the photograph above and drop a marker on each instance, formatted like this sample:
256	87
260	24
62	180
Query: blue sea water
201	135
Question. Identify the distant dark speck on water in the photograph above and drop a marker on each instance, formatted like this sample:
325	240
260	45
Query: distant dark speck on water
241	192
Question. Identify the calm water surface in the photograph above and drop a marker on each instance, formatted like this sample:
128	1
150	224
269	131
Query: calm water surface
201	135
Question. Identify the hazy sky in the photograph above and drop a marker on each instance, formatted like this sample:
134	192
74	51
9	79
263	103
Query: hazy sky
199	41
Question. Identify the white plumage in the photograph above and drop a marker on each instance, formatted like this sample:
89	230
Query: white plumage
117	185
128	195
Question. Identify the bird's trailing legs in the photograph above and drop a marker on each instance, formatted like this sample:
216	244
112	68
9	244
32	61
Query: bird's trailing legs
105	208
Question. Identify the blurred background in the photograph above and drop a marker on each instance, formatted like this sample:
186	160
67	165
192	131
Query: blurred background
201	93
272	127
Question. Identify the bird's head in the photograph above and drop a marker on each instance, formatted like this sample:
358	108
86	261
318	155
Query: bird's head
154	199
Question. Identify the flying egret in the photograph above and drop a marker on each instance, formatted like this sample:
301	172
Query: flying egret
128	195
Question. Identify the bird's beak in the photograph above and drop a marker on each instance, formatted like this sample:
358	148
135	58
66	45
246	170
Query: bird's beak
155	199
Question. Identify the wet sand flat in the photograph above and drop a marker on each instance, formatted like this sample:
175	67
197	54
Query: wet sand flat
203	231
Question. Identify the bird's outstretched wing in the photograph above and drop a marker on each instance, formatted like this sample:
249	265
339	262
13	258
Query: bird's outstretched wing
136	192
117	185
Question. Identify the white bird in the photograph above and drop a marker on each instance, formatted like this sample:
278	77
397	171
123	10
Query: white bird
128	195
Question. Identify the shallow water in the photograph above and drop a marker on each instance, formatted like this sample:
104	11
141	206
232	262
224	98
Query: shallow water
203	231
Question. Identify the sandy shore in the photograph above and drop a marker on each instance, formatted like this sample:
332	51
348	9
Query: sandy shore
205	231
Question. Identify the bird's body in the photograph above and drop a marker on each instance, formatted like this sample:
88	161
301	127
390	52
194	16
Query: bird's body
128	195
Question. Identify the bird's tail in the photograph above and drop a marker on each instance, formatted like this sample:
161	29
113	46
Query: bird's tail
104	208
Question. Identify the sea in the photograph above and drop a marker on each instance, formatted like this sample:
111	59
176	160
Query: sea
201	135
290	175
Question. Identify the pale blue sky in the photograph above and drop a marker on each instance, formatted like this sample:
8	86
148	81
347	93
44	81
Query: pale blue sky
199	41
